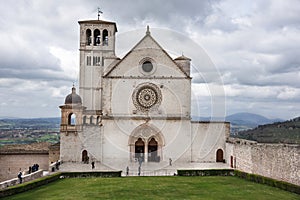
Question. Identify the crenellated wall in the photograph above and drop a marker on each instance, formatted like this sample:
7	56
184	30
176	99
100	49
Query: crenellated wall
277	161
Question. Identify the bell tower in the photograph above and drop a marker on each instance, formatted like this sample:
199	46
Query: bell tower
97	51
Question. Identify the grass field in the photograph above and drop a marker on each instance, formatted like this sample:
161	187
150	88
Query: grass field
207	188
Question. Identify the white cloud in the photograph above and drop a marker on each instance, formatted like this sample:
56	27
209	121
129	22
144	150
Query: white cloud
253	48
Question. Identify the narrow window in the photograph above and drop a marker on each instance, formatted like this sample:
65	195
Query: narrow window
97	38
71	119
105	37
98	61
88	61
88	37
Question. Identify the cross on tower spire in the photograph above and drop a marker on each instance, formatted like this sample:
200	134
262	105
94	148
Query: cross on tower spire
99	12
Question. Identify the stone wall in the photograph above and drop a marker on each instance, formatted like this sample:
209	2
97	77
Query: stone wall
54	153
25	178
207	139
12	163
277	161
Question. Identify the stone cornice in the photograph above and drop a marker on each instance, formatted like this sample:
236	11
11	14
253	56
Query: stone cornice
142	117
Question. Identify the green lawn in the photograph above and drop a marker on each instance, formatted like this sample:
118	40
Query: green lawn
156	188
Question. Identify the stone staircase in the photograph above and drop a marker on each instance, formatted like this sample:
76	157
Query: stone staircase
147	169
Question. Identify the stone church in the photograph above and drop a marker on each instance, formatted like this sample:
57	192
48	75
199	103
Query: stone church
135	108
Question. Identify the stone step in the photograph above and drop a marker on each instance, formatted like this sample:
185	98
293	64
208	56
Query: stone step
147	169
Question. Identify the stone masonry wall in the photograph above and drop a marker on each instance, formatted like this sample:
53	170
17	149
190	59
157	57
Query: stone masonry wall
11	164
277	161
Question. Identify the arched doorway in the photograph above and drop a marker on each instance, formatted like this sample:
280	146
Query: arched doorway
85	158
147	141
152	151
220	157
139	149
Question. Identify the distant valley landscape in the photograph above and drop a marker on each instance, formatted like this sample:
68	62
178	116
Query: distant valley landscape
243	125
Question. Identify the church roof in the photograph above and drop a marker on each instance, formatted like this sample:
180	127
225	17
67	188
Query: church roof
98	22
42	147
73	98
148	35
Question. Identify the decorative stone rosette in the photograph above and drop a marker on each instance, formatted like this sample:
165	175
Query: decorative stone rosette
146	96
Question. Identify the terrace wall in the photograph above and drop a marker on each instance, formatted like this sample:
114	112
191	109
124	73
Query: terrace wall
277	161
12	163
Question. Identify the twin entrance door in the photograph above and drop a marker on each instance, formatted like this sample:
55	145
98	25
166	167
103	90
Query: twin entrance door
146	152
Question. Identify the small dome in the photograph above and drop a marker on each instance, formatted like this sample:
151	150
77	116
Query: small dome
73	98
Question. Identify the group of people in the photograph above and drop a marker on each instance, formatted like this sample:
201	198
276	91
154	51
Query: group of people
33	168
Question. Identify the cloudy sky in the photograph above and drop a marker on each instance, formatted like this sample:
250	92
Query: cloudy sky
254	45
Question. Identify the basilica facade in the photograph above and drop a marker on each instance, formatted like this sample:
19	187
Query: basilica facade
135	108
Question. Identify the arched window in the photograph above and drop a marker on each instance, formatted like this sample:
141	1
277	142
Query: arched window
71	119
97	39
84	120
88	37
152	151
220	157
105	37
139	149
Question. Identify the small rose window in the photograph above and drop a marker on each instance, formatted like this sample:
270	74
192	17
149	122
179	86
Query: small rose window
147	66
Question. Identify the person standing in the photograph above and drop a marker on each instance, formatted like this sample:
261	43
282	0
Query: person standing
127	171
93	165
139	172
20	177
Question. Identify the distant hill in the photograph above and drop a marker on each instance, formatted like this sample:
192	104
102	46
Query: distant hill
34	123
249	119
278	132
245	121
241	121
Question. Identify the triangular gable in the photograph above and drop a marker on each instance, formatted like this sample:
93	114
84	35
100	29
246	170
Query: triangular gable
143	45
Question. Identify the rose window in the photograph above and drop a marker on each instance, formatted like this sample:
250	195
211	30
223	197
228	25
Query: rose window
146	97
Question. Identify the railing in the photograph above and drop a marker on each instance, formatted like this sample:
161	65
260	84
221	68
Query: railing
55	166
25	178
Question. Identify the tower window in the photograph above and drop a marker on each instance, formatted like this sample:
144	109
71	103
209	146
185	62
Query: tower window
105	37
97	38
88	37
88	61
96	61
71	119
